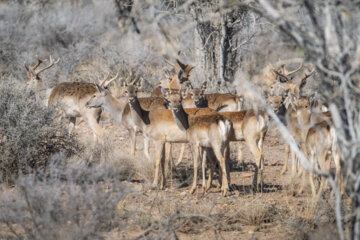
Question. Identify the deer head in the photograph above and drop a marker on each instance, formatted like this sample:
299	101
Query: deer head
198	94
99	97
174	97
131	85
34	80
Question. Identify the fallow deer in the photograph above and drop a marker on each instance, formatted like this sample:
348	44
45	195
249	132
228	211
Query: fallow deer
295	111
34	83
321	145
203	132
71	97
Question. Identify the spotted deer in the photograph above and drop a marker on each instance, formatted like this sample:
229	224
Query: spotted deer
71	97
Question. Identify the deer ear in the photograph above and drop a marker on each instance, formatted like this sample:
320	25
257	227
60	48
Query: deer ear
188	69
180	74
181	65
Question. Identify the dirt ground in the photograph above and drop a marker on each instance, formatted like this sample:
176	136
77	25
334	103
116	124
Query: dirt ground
276	213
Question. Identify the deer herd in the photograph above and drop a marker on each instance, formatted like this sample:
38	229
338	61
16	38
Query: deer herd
175	112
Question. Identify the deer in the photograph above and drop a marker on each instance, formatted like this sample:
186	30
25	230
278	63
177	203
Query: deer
321	145
34	83
70	96
205	129
295	112
221	102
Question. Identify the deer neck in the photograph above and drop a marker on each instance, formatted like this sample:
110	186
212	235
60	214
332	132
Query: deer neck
181	118
115	107
139	116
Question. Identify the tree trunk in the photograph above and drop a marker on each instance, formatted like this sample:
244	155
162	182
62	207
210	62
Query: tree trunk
217	43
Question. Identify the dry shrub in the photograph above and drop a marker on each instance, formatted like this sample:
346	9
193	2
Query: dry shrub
30	134
68	201
257	213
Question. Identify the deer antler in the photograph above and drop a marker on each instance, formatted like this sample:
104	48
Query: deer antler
110	80
32	69
303	80
128	80
281	75
52	62
101	82
294	71
38	63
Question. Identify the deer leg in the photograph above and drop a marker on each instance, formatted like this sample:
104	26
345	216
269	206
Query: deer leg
162	166
159	149
195	150
181	154
203	153
212	165
146	148
259	161
221	155
283	170
169	156
96	128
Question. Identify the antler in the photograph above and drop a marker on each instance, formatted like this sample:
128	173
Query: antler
101	82
35	66
294	71
52	62
128	80
303	80
38	63
281	75
110	80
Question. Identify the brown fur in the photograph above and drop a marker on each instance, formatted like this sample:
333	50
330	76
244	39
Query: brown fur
78	90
